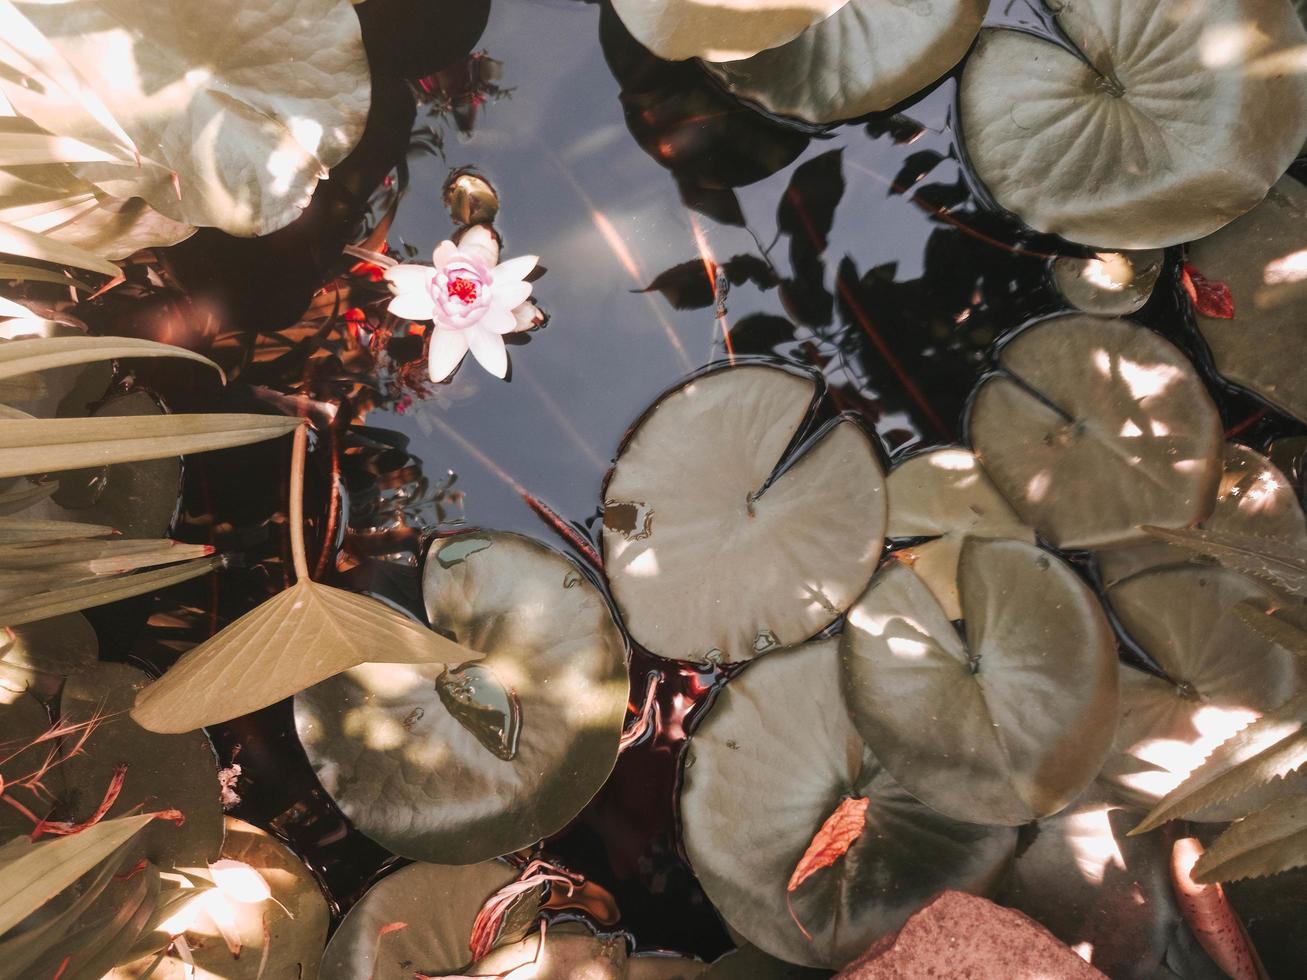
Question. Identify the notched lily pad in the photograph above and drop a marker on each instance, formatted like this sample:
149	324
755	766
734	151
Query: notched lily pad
946	495
1007	725
772	760
867	56
465	763
1262	258
1163	121
1253	500
419	919
1095	427
721	540
1220	675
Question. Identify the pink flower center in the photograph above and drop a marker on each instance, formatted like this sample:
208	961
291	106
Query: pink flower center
464	290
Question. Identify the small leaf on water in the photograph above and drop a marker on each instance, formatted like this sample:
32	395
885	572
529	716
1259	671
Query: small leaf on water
1210	297
831	841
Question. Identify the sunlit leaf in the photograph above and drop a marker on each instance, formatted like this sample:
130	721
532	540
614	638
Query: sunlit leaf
19	241
1262	258
1108	283
769	763
234	134
513	738
51	445
1265	843
301	636
32	874
1031	692
718	30
1095	427
1160	123
1269	749
866	57
722	540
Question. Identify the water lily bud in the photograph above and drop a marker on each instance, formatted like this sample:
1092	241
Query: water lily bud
239	882
470	198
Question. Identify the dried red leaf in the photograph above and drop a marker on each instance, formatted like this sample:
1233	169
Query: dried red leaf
1210	297
390	927
1211	917
831	842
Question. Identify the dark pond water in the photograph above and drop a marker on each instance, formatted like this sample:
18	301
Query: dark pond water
862	252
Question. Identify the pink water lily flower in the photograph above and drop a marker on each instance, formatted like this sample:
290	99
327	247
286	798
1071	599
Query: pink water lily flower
471	298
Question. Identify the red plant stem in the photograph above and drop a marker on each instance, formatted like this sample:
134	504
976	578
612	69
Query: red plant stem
564	530
333	507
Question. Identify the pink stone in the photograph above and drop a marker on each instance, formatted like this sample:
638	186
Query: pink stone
957	936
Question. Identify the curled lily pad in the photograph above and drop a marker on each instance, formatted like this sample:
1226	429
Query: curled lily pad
466	763
279	937
721	541
1220	675
237	111
1006	726
1095	427
770	763
1254	500
1104	893
160	772
1108	283
1262	258
946	495
867	56
1162	122
419	919
719	29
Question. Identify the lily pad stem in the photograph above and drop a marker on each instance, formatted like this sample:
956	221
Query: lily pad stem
299	453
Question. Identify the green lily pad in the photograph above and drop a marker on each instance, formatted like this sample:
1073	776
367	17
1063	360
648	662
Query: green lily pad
1095	427
718	29
1107	895
1254	499
867	56
1262	258
771	761
466	764
1221	675
946	495
1108	283
721	542
1160	123
280	937
163	772
751	963
559	956
436	905
1007	725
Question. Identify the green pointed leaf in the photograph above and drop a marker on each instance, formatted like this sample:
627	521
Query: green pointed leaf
52	445
1272	629
19	498
19	241
718	30
32	874
1270	748
43	353
1265	843
15	530
83	595
1282	565
89	558
296	639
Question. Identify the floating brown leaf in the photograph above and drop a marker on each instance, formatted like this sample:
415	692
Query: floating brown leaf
829	844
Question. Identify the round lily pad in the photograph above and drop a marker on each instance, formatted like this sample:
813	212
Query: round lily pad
558	956
1108	283
772	760
867	56
419	919
1105	894
1094	427
1007	725
718	29
1262	258
162	772
1221	675
1158	124
469	763
723	541
59	645
278	938
1254	499
946	495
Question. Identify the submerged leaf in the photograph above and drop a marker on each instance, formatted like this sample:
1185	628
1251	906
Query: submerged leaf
304	635
1265	843
1108	283
51	445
